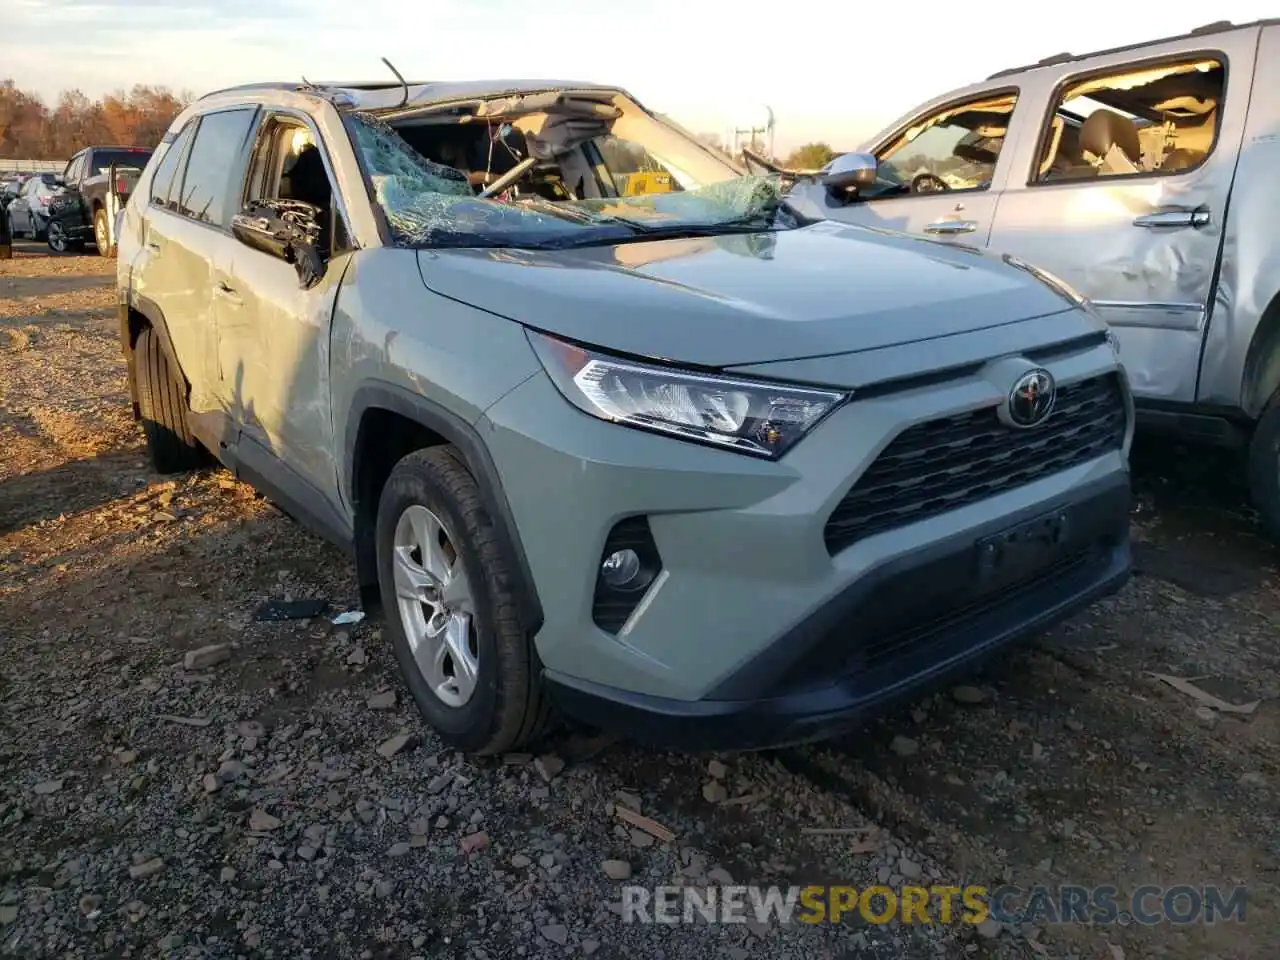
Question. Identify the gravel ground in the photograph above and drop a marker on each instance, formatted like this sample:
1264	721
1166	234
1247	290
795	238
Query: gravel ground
178	779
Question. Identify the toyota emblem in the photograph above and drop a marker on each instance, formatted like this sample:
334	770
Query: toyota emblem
1031	399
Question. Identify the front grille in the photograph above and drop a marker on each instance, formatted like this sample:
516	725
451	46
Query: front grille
945	464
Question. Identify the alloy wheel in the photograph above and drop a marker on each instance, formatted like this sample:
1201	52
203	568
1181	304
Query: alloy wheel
57	237
436	605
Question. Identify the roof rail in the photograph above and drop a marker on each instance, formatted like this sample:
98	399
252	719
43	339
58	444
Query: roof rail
1218	26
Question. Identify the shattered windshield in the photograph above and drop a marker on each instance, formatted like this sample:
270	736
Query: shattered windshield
564	183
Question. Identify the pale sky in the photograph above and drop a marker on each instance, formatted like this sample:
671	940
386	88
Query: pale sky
836	70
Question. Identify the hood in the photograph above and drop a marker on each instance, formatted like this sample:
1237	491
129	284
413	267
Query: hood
746	298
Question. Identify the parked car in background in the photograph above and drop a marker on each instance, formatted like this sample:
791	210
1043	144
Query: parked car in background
9	189
684	463
97	183
28	212
6	238
1145	177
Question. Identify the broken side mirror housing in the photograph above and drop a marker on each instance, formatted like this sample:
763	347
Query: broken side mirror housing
288	230
850	171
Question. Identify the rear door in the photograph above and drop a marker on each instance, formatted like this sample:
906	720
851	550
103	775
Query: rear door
1123	190
273	334
939	172
187	241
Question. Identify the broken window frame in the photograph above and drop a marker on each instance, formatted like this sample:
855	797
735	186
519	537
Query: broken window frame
1072	84
572	233
939	114
340	233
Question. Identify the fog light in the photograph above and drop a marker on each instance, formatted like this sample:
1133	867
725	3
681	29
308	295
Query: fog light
621	570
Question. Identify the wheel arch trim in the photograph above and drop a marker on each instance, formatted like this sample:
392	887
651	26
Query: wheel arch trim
475	454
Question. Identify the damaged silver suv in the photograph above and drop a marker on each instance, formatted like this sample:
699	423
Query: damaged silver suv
1146	177
604	423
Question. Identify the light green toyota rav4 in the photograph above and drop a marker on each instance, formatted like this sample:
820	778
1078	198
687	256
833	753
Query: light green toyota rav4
684	463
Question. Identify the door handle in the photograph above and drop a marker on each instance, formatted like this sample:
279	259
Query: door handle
1173	218
152	245
946	227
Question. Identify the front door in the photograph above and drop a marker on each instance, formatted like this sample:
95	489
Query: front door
1123	194
938	174
273	334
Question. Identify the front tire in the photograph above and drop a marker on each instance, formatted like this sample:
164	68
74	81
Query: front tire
451	616
56	237
163	408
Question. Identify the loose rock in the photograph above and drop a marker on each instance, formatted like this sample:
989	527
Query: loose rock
382	701
549	766
616	869
713	791
261	821
556	933
990	928
206	657
904	746
396	745
970	695
149	868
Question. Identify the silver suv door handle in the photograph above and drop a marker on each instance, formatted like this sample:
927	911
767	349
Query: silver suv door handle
1173	218
952	226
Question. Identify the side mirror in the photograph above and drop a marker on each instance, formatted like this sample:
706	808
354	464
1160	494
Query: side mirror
850	170
288	230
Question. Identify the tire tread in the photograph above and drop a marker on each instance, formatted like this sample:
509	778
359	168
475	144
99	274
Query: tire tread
172	446
522	712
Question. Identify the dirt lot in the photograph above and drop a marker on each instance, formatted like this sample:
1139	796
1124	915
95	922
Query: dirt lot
244	809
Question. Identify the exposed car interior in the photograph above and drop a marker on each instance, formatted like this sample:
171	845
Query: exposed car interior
288	166
955	149
1155	120
574	149
533	165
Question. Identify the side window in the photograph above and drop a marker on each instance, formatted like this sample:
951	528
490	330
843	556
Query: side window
953	149
213	165
288	165
162	182
1139	121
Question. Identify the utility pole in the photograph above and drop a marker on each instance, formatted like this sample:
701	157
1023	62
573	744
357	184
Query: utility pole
753	134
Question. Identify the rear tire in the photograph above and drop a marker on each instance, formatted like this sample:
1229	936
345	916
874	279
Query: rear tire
1264	469
505	707
101	231
162	404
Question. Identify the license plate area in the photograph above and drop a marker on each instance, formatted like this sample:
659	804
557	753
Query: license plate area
1018	552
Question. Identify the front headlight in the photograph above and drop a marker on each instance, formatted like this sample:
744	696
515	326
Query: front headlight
750	416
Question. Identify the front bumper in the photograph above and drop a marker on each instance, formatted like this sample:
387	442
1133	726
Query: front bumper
900	631
750	618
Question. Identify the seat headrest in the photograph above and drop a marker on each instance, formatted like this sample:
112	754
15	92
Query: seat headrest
1105	129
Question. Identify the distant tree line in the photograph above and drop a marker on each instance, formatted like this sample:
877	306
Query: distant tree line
32	130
